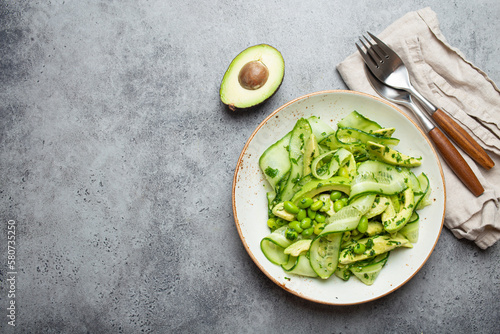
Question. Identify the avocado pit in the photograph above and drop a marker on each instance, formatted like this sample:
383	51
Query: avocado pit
253	75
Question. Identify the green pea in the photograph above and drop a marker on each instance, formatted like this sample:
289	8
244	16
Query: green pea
317	205
291	234
305	223
296	226
311	214
301	215
345	200
344	172
363	224
339	204
359	248
305	203
308	232
320	218
290	207
335	195
271	222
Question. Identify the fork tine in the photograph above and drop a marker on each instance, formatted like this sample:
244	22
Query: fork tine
368	59
375	49
371	53
388	51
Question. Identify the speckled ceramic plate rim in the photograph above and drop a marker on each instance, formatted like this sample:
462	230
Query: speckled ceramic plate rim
296	290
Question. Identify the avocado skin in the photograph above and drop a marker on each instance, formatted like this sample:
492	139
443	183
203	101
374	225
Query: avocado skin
254	107
258	102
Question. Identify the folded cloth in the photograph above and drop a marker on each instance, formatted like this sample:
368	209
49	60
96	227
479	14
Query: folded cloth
443	75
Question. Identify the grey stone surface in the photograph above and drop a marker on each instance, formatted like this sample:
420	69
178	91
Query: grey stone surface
117	159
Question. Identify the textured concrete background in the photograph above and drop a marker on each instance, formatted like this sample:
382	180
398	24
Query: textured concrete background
117	159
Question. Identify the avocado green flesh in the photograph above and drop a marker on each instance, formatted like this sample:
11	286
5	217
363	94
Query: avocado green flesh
311	151
238	97
391	156
315	187
381	244
398	221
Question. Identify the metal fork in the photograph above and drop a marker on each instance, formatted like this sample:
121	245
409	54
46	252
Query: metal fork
448	152
389	68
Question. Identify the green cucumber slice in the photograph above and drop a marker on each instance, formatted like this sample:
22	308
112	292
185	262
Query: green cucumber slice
303	267
325	173
353	135
273	246
275	161
343	272
377	177
324	254
358	121
423	198
368	273
320	129
348	217
411	231
299	136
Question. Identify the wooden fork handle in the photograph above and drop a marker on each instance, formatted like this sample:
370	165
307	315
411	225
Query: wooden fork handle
463	139
456	162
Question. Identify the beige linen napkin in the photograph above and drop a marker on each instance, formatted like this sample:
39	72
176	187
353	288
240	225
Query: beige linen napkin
443	75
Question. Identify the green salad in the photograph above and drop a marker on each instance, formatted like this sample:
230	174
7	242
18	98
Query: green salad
341	199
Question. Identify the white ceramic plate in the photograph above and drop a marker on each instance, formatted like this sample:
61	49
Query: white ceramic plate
250	203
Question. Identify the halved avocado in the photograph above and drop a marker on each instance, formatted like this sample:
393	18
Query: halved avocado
252	77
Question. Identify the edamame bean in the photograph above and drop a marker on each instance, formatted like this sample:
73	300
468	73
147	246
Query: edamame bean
271	223
320	218
296	226
317	205
363	224
308	232
305	223
359	248
305	203
301	215
311	214
339	204
290	207
335	195
344	172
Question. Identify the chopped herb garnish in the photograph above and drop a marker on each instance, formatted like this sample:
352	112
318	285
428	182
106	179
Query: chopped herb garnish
271	172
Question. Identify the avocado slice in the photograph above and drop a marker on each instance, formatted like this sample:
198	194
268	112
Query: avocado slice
316	187
397	220
311	151
385	132
253	76
374	246
391	156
